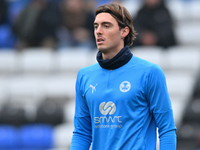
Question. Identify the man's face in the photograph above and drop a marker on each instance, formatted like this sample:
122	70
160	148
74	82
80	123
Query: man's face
107	33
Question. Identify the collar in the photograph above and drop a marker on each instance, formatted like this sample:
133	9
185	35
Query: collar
117	61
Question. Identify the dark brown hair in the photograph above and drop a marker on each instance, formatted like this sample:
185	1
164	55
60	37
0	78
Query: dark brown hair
123	18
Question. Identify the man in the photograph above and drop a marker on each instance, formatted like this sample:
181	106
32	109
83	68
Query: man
155	24
122	99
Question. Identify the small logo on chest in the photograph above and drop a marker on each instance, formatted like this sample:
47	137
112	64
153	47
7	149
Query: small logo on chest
125	86
93	87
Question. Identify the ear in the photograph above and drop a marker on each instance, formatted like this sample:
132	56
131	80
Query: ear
125	31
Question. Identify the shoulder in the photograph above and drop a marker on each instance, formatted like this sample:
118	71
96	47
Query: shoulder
145	66
89	69
142	63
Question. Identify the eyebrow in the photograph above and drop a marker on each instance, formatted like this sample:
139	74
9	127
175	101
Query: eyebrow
103	23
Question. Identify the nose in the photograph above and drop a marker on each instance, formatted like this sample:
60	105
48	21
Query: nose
98	30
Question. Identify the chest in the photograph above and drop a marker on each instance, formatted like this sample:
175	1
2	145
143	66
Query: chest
122	88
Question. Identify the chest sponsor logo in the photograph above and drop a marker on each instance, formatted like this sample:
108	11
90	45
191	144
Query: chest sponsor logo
125	86
107	108
108	120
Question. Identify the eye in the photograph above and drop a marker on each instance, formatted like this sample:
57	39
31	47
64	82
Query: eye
107	26
95	27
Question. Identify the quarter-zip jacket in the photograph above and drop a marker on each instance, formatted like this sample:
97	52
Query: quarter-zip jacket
121	109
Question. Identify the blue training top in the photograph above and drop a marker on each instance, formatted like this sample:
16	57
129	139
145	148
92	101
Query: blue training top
121	109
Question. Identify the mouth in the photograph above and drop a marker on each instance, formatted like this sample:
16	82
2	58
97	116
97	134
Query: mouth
100	40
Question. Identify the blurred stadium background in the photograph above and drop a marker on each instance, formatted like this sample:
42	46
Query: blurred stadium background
37	92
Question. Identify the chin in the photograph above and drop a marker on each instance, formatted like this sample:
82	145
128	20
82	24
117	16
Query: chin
101	48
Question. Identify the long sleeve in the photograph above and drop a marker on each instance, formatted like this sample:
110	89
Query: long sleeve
168	141
160	107
82	134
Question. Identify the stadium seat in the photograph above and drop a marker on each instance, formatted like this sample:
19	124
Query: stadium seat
3	91
8	61
7	38
25	89
57	149
70	60
91	57
8	137
36	136
185	59
63	135
187	136
36	60
192	112
153	54
177	10
180	86
192	11
69	110
60	85
184	10
132	6
196	92
188	33
178	106
28	149
12	114
49	113
186	145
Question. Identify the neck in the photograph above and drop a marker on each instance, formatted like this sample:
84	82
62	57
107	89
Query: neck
109	54
117	61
